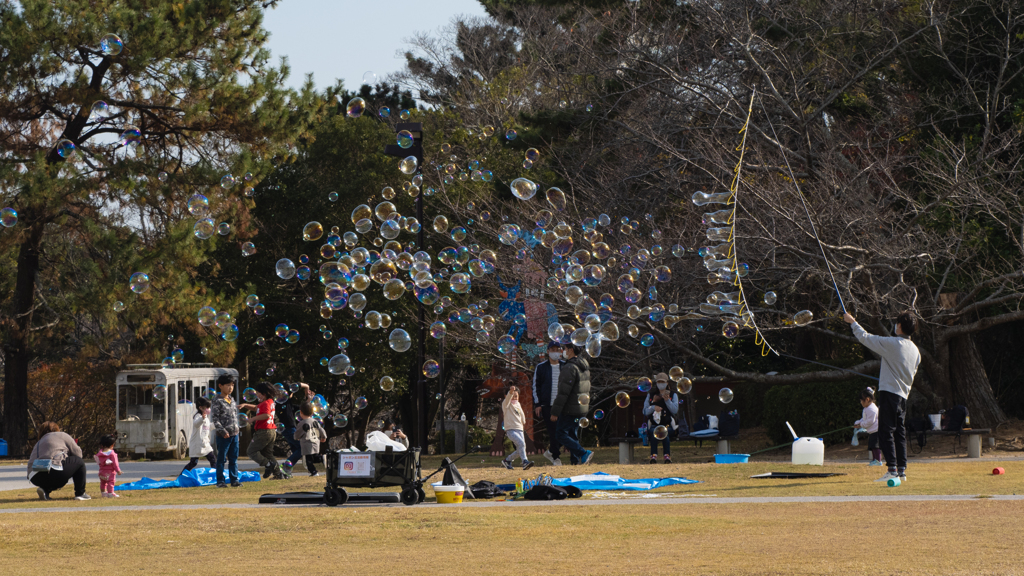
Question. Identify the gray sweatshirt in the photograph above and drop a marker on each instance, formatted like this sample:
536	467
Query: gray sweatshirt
900	359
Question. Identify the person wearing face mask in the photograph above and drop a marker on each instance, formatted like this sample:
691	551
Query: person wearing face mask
545	388
900	360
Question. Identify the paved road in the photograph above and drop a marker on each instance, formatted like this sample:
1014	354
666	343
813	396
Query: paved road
13	477
526	503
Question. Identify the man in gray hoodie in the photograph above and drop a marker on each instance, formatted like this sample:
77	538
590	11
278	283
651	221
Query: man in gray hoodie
900	359
570	405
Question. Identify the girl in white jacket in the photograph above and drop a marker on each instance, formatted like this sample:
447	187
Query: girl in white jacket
199	444
869	422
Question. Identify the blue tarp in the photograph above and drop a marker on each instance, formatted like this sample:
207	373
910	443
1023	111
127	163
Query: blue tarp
188	479
602	481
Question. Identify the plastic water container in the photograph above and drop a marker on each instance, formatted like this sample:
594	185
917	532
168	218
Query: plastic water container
3	447
809	451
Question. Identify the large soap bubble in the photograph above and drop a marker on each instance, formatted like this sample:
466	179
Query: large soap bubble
285	269
506	344
203	229
770	298
408	165
643	384
312	231
207	315
198	206
660	432
111	45
338	364
556	198
139	282
355	107
399	340
803	317
523	189
387	383
725	395
431	369
622	399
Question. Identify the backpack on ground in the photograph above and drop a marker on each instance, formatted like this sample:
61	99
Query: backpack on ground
485	489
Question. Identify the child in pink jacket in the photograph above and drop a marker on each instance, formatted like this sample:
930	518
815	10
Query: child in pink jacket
109	467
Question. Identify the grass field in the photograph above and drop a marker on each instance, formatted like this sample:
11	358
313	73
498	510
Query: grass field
978	536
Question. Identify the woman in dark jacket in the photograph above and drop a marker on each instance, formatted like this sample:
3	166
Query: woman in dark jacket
65	459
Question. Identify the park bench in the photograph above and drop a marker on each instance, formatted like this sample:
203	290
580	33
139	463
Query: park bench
627	445
973	438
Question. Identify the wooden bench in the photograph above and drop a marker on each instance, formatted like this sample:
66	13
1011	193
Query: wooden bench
973	438
627	445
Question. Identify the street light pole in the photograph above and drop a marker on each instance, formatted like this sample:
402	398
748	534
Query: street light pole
420	394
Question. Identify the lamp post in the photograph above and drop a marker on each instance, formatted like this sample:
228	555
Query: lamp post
416	150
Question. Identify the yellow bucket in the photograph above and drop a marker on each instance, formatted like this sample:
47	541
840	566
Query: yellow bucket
449	494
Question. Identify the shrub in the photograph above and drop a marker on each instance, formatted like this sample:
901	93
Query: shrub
812	409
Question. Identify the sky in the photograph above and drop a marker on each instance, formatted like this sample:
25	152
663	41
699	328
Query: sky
346	38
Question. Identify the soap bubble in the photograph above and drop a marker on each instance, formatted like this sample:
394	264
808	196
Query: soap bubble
285	269
730	329
230	333
583	422
384	112
598	414
676	373
223	228
361	403
207	316
399	340
555	331
292	336
408	165
312	231
370	78
803	317
243	419
203	229
404	139
139	282
178	355
119	306
725	395
556	198
130	137
387	383
198	206
394	289
227	181
8	217
583	398
338	364
431	369
355	107
65	148
532	154
523	189
111	45
622	399
248	249
99	110
684	385
647	340
643	384
506	344
252	300
660	432
438	330
340	420
770	298
249	395
404	114
511	134
160	392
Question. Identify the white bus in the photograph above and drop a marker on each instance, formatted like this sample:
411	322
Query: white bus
147	424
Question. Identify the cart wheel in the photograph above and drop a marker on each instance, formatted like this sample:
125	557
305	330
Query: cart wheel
421	494
410	496
335	496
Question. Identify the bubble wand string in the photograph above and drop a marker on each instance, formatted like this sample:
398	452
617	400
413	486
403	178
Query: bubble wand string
734	188
800	195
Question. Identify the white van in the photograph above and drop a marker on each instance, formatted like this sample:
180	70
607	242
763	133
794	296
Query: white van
146	424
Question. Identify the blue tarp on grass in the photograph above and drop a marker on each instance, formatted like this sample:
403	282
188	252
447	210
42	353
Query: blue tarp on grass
602	481
188	479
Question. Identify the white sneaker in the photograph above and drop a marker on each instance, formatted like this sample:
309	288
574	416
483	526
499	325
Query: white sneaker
42	494
557	461
83	497
903	478
888	476
547	454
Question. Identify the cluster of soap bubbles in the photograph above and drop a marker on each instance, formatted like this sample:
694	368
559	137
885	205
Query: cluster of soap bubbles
220	321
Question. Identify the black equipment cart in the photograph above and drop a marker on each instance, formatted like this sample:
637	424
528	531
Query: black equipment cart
373	470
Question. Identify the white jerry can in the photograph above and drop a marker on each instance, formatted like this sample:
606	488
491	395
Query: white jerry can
807	450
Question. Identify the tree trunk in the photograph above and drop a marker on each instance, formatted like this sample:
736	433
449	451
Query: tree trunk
16	345
970	383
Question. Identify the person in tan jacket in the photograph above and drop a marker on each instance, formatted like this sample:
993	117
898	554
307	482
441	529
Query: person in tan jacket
514	420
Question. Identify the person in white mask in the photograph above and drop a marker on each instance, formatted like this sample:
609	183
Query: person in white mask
545	387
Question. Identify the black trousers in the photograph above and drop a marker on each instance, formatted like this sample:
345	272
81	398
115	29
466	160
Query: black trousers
554	446
892	429
193	462
74	469
311	461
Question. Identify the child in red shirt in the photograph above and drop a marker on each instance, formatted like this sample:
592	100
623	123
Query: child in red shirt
109	467
261	448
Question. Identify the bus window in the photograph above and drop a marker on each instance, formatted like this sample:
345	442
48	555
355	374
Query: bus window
136	402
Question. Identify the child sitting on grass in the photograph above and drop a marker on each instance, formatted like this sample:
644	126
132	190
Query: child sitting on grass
514	420
869	422
109	467
310	432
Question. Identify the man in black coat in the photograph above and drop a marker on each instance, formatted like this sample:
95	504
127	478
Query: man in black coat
545	386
